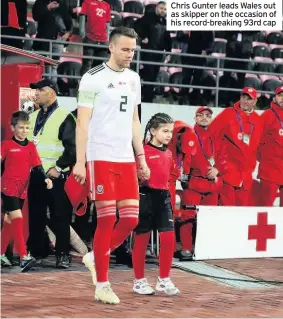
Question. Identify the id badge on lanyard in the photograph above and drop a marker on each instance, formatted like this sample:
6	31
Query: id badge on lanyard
243	136
211	161
246	139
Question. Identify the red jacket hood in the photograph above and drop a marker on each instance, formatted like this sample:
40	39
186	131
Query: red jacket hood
178	126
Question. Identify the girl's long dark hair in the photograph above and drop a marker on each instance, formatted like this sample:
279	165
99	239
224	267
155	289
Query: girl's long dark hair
155	121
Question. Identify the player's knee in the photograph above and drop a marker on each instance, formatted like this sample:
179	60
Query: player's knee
129	216
129	222
106	222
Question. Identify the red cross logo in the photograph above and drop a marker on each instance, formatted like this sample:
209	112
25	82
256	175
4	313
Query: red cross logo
262	232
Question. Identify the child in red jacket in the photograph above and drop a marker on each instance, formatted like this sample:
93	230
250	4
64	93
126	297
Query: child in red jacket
155	207
19	156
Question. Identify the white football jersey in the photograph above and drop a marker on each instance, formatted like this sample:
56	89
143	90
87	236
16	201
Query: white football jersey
113	96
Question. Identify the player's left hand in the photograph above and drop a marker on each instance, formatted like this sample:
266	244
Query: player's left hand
53	173
144	171
49	183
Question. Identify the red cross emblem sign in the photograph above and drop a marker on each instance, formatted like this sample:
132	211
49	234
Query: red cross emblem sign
262	232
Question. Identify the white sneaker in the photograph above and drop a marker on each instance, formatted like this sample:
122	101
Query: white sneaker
105	294
167	286
142	287
88	260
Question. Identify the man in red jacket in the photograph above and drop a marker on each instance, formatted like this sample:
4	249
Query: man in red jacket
270	152
207	166
240	129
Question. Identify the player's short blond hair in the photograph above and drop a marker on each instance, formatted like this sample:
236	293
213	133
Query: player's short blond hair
122	31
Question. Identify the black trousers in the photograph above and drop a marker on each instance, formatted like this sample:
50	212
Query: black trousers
40	198
150	73
92	51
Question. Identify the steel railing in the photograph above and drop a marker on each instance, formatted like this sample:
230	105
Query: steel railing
137	60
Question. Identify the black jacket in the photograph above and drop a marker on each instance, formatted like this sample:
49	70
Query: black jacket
67	134
47	27
153	27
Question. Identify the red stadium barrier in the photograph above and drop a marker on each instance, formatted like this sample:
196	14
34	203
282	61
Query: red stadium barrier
19	68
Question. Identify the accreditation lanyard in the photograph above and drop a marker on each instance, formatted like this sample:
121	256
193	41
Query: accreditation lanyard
278	118
210	159
243	136
37	123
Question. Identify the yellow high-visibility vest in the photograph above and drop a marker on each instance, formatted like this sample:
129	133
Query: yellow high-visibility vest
49	147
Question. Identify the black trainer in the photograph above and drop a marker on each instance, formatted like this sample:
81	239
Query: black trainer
186	255
27	263
63	261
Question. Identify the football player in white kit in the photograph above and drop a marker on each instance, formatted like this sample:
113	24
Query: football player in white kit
108	138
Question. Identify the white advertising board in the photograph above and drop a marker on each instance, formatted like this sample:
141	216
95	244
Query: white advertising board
239	232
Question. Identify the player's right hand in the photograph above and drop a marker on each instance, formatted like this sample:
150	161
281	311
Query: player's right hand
79	173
